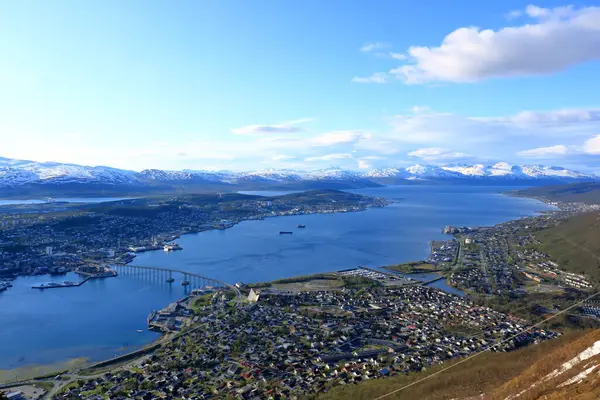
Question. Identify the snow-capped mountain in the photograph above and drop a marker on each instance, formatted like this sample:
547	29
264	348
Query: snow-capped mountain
15	174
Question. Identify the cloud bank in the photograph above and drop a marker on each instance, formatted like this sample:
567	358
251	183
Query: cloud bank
552	40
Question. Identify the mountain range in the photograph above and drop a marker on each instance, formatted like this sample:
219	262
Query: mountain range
30	177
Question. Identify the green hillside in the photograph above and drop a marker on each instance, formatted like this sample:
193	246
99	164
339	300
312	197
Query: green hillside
575	244
585	192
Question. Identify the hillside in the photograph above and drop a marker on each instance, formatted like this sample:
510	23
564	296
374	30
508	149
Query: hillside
582	192
527	374
575	244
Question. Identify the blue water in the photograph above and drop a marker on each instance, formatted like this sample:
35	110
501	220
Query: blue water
61	199
100	318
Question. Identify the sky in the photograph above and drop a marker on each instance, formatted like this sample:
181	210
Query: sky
250	85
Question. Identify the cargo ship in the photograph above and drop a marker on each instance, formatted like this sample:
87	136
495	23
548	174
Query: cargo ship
285	233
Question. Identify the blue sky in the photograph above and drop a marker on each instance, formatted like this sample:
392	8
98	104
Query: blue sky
299	84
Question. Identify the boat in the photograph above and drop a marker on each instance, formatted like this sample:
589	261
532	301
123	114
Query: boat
301	226
185	283
172	247
139	331
170	280
286	233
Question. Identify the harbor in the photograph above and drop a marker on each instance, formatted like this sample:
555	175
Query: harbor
88	272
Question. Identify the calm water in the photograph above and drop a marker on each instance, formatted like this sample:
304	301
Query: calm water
100	318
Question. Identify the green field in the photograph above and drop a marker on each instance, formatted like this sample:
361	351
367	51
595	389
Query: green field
575	244
414	267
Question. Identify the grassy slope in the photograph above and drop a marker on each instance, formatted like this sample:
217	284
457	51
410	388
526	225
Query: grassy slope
534	386
586	192
487	373
575	244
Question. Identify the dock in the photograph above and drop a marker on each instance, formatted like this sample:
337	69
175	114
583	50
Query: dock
104	273
53	285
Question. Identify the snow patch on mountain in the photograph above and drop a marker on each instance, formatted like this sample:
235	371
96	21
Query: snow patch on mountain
15	173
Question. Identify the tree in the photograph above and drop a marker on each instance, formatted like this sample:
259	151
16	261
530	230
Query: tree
3	396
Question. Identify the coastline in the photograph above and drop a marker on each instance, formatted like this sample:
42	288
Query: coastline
162	337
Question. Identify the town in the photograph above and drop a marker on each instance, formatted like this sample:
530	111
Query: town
56	239
288	344
300	337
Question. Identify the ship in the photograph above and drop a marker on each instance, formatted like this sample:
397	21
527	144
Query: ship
172	247
301	226
170	280
286	233
185	283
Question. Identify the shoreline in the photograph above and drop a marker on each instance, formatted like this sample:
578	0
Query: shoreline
165	336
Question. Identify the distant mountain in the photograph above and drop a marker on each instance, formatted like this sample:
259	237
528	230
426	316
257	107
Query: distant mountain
53	178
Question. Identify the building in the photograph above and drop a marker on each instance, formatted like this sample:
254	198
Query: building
253	296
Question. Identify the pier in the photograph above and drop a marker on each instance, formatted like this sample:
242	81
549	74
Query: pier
54	285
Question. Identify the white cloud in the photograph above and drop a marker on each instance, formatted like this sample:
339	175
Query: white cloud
286	127
339	137
437	154
281	157
363	164
592	145
513	14
377	77
368	47
398	56
556	117
542	152
424	126
256	129
329	157
561	37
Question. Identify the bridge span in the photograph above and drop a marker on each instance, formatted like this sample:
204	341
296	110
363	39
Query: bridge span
190	279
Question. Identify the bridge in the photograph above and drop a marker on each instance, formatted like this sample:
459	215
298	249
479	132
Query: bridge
190	279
